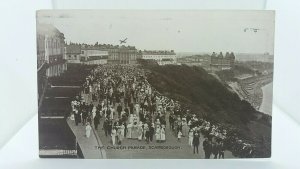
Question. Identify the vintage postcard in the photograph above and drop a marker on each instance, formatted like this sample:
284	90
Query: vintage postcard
155	84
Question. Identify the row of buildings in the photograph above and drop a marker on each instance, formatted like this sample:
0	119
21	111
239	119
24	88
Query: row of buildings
213	62
53	54
114	54
100	54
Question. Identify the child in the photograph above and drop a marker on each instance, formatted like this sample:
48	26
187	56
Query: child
179	135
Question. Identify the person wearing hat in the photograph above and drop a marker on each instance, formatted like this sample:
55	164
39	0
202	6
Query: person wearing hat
134	130
140	131
163	134
179	135
128	133
184	127
196	142
215	149
157	134
113	136
151	132
207	147
221	149
191	136
97	121
121	132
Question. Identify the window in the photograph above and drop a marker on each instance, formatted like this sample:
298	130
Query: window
82	52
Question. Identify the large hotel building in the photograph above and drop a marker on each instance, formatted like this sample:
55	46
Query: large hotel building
162	57
213	62
101	54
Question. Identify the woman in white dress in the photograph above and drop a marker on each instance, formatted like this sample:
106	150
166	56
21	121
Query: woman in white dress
191	137
94	111
157	134
184	127
122	131
140	131
134	131
113	136
88	129
135	119
129	127
131	118
137	108
157	123
145	129
163	135
112	111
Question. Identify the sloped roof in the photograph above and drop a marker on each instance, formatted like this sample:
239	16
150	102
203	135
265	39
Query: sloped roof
73	49
158	52
48	29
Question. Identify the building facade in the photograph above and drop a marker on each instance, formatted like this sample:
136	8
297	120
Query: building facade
197	60
50	55
220	62
50	50
72	53
161	57
93	55
123	55
213	62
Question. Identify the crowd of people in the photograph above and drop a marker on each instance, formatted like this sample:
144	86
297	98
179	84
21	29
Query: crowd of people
132	109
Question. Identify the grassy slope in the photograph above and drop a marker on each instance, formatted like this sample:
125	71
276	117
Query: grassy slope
210	99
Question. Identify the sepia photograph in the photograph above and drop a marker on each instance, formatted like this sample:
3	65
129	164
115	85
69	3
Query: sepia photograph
155	84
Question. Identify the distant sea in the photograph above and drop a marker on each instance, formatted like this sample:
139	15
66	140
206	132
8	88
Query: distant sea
266	106
254	57
238	56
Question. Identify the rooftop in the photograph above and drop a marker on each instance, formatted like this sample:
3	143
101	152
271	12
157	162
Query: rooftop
48	29
73	49
220	55
105	47
158	52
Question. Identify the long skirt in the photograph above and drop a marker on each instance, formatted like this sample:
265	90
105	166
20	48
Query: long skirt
185	130
129	133
191	141
88	133
134	133
113	139
163	137
157	136
140	134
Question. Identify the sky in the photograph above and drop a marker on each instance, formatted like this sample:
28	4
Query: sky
179	30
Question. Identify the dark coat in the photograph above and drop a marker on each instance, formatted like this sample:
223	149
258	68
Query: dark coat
196	140
207	146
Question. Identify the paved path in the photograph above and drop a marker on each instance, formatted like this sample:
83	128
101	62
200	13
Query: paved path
89	146
177	149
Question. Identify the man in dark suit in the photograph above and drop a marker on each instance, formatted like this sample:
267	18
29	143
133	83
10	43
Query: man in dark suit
207	147
97	120
196	142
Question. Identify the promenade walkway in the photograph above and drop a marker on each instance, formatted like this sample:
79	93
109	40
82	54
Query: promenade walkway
90	147
178	149
100	146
